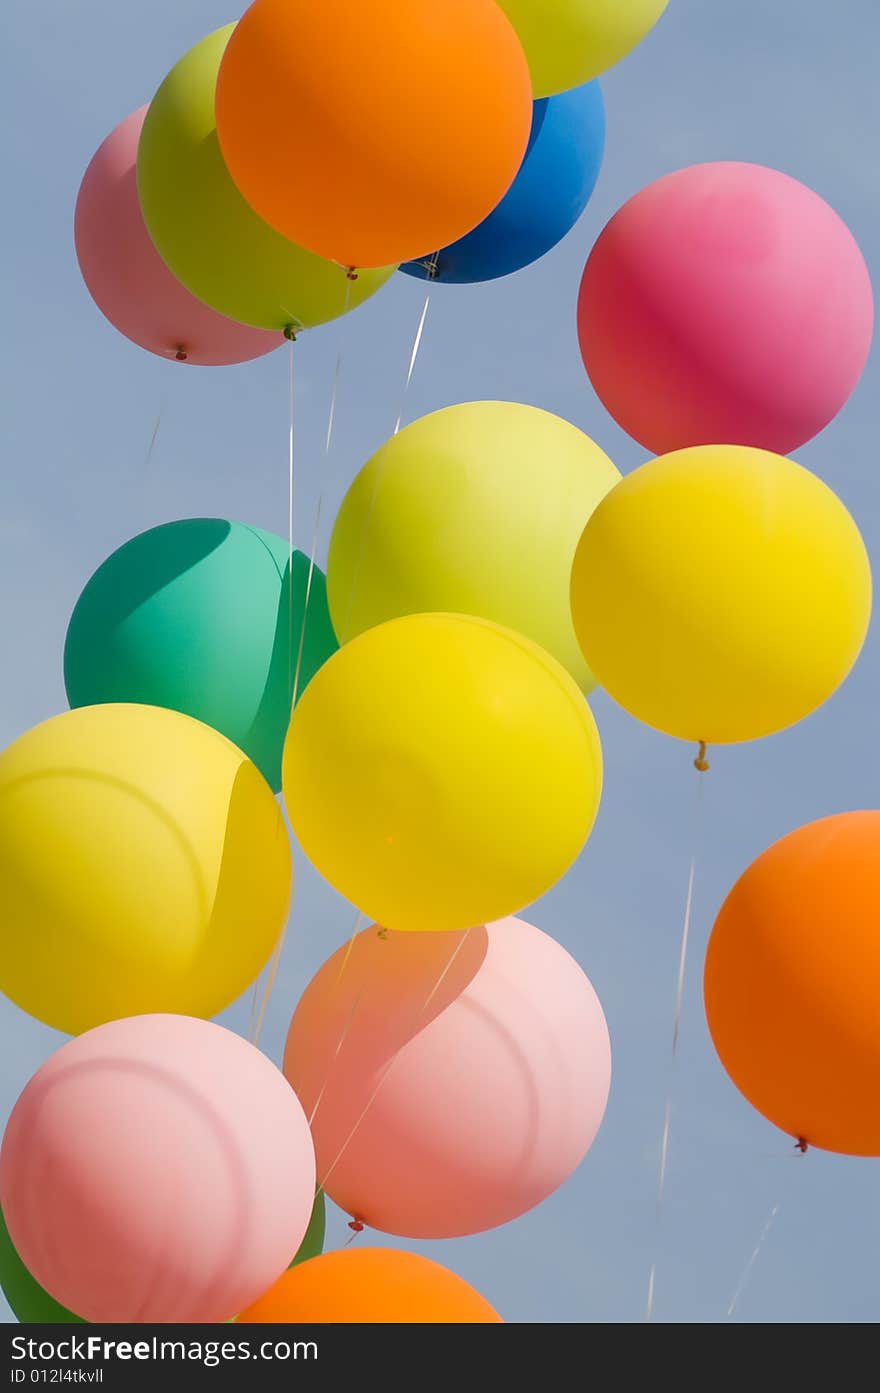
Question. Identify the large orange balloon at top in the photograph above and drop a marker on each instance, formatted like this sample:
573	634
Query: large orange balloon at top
370	1286
375	132
792	984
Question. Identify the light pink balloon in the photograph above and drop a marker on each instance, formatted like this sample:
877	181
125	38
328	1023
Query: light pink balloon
725	304
129	281
453	1080
157	1168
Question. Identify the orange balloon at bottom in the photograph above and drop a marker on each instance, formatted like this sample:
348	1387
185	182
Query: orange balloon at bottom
792	984
370	1286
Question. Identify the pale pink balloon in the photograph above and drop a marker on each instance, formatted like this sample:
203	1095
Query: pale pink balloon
725	304
157	1169
129	281
453	1080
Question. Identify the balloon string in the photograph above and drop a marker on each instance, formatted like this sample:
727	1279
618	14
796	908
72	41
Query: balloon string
316	529
417	343
290	523
256	1016
359	923
749	1267
701	765
393	1060
152	445
342	633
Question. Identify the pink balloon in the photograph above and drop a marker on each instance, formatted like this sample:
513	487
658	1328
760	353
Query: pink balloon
453	1080
725	304
157	1169
129	281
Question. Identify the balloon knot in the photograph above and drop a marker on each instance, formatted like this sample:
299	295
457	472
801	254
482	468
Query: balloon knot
351	273
382	933
701	763
431	267
801	1145
356	1226
181	355
290	331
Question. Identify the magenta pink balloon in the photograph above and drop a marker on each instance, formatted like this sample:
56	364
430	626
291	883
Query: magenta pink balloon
129	281
453	1080
159	1169
725	304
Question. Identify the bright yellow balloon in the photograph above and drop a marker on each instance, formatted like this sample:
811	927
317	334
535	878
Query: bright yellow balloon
144	866
476	509
568	42
721	593
441	772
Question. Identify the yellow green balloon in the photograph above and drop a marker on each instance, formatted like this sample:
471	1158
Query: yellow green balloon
144	867
476	509
441	772
568	42
721	593
203	229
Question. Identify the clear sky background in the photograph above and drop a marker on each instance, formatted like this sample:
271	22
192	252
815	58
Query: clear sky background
790	83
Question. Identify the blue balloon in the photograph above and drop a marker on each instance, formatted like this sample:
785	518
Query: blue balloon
548	195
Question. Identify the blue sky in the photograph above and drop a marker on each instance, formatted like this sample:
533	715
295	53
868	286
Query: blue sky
788	85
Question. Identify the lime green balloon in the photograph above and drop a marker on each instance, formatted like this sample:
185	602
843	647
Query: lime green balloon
206	617
207	234
478	510
29	1302
568	42
312	1245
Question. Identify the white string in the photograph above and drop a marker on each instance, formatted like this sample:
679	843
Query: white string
747	1272
393	1060
413	358
152	445
256	1017
676	1031
290	525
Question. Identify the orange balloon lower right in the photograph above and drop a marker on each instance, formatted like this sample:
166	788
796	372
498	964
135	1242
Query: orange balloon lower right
370	1286
792	984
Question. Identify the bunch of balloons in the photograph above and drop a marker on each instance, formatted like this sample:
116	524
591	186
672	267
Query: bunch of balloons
218	218
421	708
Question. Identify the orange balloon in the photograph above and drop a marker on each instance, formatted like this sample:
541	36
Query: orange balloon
792	984
370	1286
375	132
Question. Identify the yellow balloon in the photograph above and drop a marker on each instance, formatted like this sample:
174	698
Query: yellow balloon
568	42
441	772
476	509
144	867
721	593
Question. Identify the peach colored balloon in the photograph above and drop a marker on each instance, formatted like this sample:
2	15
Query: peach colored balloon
453	1080
157	1169
129	281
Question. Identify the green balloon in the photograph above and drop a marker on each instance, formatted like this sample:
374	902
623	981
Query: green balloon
30	1303
196	615
210	238
312	1245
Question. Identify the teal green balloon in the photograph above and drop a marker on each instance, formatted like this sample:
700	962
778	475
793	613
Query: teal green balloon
312	1245
29	1302
206	617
